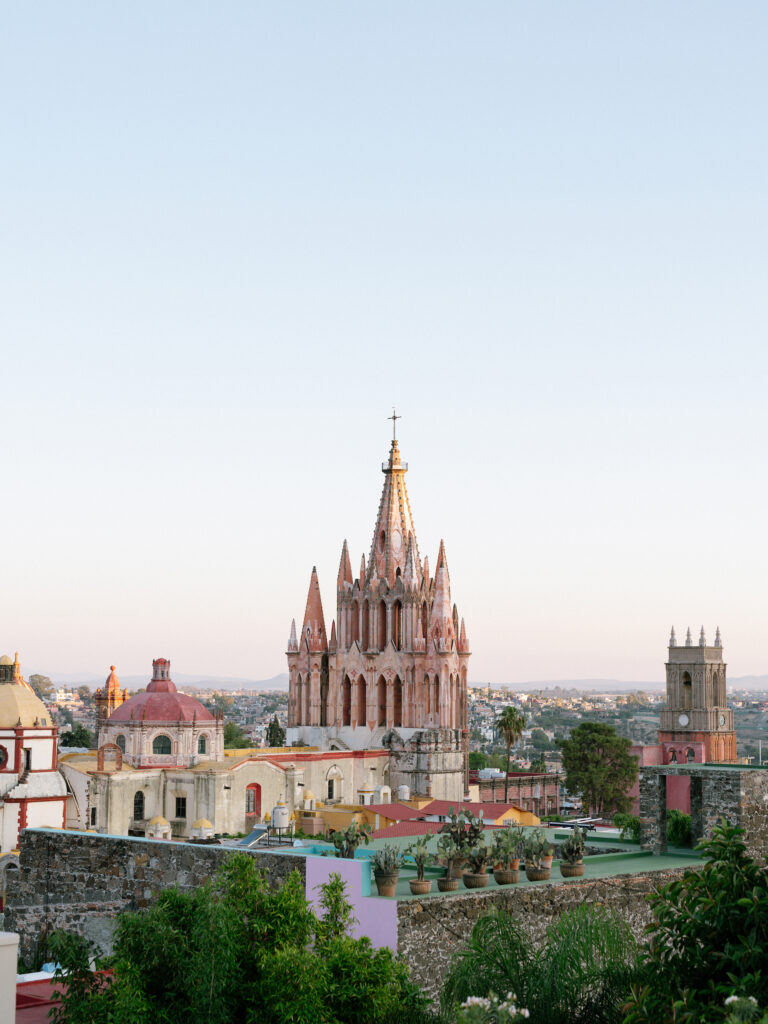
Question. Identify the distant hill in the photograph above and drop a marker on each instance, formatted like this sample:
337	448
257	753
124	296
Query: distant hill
617	685
203	682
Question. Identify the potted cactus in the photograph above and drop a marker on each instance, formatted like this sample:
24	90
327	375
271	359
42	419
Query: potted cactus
533	851
572	854
449	854
506	854
420	885
465	830
346	842
476	858
386	867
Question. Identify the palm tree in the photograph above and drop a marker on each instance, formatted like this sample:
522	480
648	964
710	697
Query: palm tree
510	725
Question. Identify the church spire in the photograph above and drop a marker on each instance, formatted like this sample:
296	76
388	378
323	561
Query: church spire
313	629
394	524
345	568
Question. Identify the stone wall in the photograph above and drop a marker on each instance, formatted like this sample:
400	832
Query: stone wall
738	793
429	933
81	881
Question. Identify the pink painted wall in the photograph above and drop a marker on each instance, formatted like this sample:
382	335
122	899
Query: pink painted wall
678	787
377	917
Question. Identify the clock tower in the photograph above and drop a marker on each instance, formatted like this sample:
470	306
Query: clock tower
696	710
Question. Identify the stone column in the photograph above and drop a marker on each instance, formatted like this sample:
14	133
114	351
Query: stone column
653	810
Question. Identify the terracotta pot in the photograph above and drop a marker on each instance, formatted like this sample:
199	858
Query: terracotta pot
571	870
447	884
475	881
514	864
506	876
546	862
537	874
458	868
420	886
386	883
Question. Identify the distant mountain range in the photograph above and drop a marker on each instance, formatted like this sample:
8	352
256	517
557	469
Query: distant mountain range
280	682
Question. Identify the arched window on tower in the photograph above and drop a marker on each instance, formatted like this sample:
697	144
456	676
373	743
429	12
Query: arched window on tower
381	693
138	806
424	620
202	746
355	631
690	755
346	702
397	703
382	625
427	696
120	741
362	711
366	625
299	703
397	625
687	694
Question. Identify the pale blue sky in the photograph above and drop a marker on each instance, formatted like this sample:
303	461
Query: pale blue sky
235	234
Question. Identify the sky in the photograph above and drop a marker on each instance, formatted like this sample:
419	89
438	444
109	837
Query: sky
234	236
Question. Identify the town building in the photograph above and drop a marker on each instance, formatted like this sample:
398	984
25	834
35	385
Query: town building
32	792
108	700
393	672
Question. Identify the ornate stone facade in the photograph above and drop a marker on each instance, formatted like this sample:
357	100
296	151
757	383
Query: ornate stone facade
396	664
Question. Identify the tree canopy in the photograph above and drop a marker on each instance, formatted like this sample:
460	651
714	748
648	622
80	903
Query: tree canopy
234	737
42	685
78	737
275	734
598	764
236	951
509	725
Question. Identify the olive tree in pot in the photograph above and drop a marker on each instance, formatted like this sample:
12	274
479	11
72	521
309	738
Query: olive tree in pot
533	851
420	885
449	854
386	867
465	830
477	877
507	844
572	854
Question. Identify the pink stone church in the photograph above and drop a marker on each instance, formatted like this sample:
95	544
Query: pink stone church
393	672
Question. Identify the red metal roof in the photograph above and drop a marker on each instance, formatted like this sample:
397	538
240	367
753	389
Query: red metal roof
407	828
490	811
395	811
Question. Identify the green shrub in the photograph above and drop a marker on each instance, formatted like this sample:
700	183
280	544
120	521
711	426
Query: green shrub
630	826
678	828
580	974
708	938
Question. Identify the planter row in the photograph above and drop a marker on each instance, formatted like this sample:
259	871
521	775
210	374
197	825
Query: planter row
386	884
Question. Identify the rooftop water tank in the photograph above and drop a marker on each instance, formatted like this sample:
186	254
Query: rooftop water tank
403	793
281	816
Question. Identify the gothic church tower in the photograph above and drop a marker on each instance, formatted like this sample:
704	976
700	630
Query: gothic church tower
394	672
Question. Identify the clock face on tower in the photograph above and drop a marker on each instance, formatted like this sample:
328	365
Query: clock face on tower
683	719
722	719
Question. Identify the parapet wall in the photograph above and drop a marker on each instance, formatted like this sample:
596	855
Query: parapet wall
429	932
736	793
81	881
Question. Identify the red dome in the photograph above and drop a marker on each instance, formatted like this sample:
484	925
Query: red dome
161	702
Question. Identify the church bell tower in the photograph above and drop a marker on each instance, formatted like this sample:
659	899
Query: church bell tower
697	710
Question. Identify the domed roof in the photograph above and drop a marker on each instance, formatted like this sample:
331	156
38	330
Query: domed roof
158	820
309	795
18	701
202	823
161	702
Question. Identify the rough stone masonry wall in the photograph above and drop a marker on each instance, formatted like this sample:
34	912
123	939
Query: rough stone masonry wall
430	932
81	881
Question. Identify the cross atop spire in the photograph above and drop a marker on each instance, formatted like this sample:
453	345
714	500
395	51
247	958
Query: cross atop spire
394	417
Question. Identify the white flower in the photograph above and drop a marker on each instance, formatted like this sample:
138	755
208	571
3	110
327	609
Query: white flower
525	1013
731	999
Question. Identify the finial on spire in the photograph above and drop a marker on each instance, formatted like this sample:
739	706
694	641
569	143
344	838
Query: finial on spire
702	638
672	638
394	417
718	638
688	641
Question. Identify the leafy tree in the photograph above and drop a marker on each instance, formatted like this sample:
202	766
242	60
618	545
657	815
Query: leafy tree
84	693
580	973
275	735
42	686
220	703
708	938
539	764
234	737
540	740
477	760
79	736
509	725
598	765
236	951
